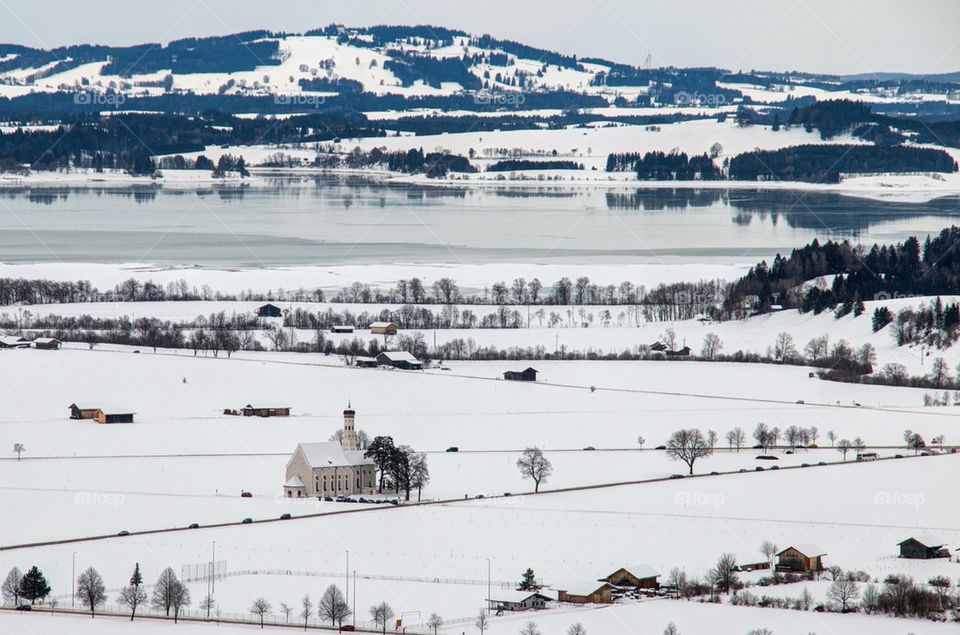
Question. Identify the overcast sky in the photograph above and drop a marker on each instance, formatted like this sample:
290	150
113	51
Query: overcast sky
832	36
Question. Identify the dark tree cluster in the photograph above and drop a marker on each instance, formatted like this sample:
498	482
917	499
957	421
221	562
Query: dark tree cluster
410	67
661	166
510	165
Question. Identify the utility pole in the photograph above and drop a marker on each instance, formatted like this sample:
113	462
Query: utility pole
213	570
354	596
348	577
488	581
73	580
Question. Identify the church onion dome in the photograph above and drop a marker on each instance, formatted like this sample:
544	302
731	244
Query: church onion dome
349	411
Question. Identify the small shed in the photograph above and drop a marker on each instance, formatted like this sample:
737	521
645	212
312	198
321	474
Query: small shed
76	412
259	411
801	558
638	576
341	328
683	352
527	374
518	601
14	341
383	328
923	546
585	593
46	343
269	310
365	362
658	347
399	359
114	415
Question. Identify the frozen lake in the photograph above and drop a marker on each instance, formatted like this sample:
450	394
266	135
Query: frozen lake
332	220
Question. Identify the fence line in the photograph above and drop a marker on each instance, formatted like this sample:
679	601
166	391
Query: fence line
500	584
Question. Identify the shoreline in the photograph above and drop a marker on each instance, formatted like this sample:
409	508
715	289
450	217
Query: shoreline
902	188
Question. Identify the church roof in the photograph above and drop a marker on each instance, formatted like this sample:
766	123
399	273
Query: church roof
331	454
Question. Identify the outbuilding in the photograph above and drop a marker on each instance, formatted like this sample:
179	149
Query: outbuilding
383	328
47	343
585	593
638	576
14	341
399	359
269	310
801	558
923	547
527	374
365	362
341	328
260	411
518	601
102	415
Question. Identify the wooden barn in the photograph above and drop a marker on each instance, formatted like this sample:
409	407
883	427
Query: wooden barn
251	411
527	374
383	328
399	359
269	310
923	547
683	352
46	343
76	412
746	564
658	347
14	341
114	415
365	362
801	559
585	593
341	328
518	601
638	576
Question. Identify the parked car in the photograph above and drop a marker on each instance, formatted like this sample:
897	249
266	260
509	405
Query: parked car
328	499
193	526
821	463
479	496
348	628
589	447
774	467
124	533
714	473
285	516
661	447
804	465
24	607
676	476
247	521
767	457
453	448
245	494
759	469
507	494
898	456
800	402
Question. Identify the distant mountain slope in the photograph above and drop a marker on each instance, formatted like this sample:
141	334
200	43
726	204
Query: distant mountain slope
414	61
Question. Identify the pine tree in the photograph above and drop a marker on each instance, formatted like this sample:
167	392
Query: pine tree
529	581
33	586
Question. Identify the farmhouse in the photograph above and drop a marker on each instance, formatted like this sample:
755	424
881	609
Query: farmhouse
748	564
13	341
585	593
331	468
658	347
383	328
46	343
527	374
801	558
518	601
251	411
269	310
683	352
102	415
923	546
399	359
638	576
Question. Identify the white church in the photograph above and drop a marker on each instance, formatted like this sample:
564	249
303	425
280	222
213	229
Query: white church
331	468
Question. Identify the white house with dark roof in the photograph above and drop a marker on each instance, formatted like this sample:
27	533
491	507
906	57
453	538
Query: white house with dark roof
331	468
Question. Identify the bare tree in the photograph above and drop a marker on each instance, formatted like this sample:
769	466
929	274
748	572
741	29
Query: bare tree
712	345
671	629
132	595
435	622
181	599
769	550
91	590
381	614
783	347
11	586
163	591
844	591
736	438
481	622
286	609
576	629
688	445
641	441
306	610
419	472
533	465
832	437
843	446
712	438
530	628
19	449
725	573
207	604
261	607
332	606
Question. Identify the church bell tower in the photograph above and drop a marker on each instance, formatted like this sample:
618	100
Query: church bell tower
348	441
